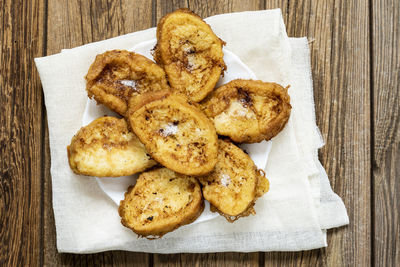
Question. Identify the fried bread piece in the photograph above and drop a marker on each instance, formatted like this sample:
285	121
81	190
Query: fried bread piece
115	76
235	184
190	53
160	202
106	148
175	133
248	111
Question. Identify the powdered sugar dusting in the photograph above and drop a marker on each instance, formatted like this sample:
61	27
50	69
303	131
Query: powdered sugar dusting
191	62
130	83
225	179
169	129
238	110
187	48
241	113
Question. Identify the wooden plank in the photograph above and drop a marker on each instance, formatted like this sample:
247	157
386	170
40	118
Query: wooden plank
70	24
306	258
282	4
339	36
228	259
21	39
164	7
303	258
386	133
206	9
87	35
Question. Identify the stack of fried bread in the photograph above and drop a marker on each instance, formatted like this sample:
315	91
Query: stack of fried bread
177	130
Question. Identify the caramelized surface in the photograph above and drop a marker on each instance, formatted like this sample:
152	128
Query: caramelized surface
248	111
190	53
234	184
115	76
160	202
175	133
106	148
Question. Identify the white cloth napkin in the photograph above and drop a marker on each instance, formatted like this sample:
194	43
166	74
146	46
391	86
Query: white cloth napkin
293	215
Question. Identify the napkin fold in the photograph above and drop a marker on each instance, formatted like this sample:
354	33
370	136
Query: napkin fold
292	216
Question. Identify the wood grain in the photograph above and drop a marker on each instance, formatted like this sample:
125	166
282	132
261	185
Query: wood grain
328	24
340	65
356	70
74	23
302	258
386	122
21	33
283	5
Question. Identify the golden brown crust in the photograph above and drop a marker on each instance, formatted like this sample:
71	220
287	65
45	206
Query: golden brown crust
175	133
160	202
106	148
248	111
138	102
249	211
235	184
262	188
190	53
115	76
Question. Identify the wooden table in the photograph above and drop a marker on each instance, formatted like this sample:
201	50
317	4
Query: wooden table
355	58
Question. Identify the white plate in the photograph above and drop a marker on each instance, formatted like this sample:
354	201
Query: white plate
116	187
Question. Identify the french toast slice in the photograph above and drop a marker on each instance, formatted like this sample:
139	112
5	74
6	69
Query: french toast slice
176	134
190	53
160	202
235	183
115	76
106	148
248	111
